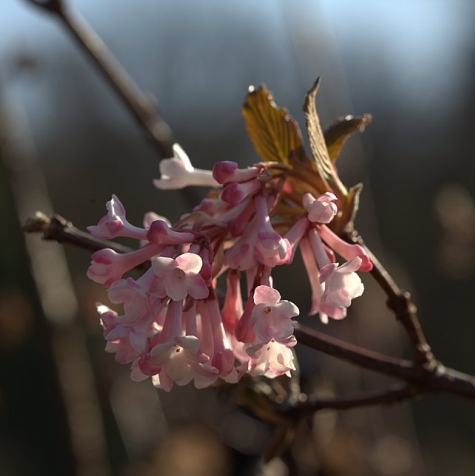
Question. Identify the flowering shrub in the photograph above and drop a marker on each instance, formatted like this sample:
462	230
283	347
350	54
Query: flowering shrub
173	326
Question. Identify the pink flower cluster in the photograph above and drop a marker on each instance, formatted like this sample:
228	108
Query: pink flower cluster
173	327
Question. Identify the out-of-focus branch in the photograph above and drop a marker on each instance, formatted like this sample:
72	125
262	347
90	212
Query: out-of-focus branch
400	302
395	394
140	106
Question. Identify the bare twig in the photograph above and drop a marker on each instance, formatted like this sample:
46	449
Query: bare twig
368	359
435	378
395	394
140	106
57	228
400	302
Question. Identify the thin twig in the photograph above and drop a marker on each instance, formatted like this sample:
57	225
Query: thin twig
435	378
140	106
57	228
400	302
395	394
368	359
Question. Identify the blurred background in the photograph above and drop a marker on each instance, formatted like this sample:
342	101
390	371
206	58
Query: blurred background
67	144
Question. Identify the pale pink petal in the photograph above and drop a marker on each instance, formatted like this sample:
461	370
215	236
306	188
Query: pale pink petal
163	265
136	374
266	295
176	284
189	262
197	288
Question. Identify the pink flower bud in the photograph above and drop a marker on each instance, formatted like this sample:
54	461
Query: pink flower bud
115	224
226	172
322	209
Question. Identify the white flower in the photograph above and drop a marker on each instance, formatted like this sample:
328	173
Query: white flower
178	172
342	284
271	316
271	359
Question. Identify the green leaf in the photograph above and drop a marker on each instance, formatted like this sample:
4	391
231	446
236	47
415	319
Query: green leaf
274	133
337	134
318	146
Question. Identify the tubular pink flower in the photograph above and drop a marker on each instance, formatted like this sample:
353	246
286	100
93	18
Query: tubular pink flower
136	373
205	376
235	193
206	271
109	318
321	209
123	350
108	266
345	250
271	317
318	249
115	224
235	213
227	172
175	361
244	332
270	360
241	218
126	341
213	207
178	278
259	243
338	285
342	284
294	235
133	296
178	172
312	274
270	248
151	217
222	357
327	309
232	308
241	254
160	233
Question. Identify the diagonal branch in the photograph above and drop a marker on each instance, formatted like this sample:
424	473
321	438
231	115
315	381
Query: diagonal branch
400	302
139	105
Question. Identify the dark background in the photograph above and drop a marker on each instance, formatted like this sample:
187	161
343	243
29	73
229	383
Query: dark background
68	144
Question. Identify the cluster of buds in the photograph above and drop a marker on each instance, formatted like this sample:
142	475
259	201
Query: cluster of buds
174	327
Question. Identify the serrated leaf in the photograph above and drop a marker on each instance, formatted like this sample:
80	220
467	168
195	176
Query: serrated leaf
337	134
318	146
274	133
